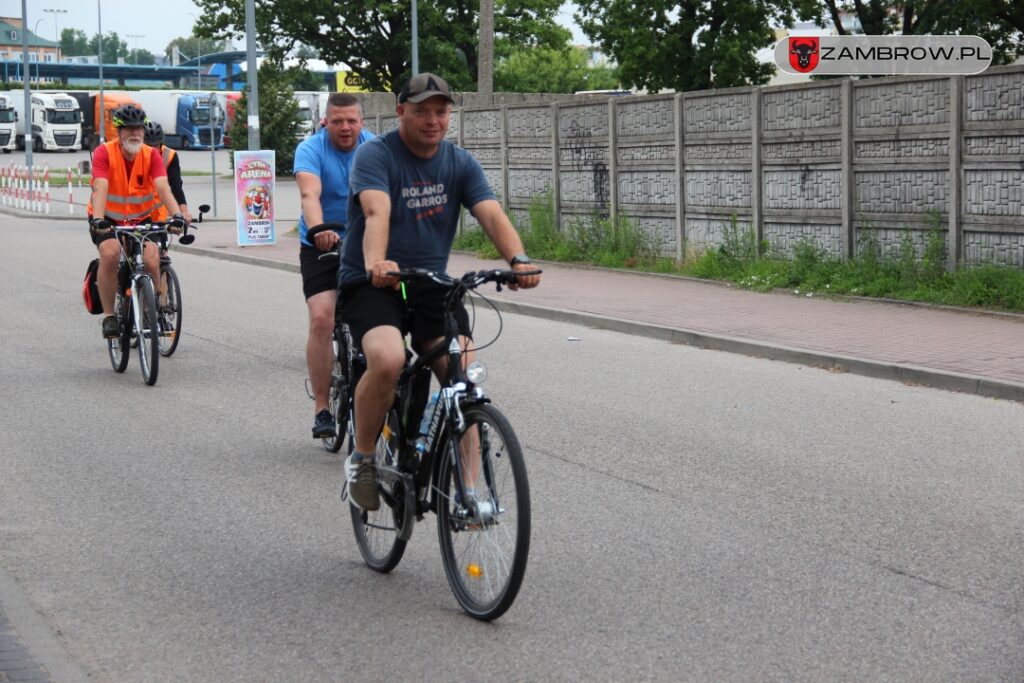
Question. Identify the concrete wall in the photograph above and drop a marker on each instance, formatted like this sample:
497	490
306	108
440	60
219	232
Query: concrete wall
828	161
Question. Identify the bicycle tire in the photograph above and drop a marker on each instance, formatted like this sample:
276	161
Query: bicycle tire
338	399
377	531
147	331
118	347
485	559
170	311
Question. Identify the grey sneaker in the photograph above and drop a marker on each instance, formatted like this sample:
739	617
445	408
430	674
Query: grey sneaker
362	485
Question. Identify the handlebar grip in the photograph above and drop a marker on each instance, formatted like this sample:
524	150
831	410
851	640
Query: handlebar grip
323	227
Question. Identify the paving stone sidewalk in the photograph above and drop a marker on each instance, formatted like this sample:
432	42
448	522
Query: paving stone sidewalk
972	352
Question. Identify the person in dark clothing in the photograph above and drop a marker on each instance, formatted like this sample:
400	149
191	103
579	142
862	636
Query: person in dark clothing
154	137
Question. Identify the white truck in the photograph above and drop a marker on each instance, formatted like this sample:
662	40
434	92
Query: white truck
305	118
312	100
8	131
56	121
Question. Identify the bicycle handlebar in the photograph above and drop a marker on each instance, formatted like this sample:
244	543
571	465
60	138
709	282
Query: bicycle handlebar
469	280
154	227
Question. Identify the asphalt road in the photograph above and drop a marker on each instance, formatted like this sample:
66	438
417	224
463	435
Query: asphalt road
697	515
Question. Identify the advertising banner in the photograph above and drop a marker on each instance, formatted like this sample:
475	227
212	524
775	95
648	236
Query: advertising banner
254	197
883	55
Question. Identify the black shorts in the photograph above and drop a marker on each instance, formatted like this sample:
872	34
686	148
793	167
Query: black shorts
318	274
365	307
100	237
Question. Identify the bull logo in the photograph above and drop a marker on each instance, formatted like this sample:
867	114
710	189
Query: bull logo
803	54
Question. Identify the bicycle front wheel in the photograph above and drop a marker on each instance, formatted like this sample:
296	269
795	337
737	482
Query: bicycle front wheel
147	330
377	531
338	399
117	347
169	304
485	541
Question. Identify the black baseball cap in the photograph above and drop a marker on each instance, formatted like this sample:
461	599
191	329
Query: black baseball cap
424	86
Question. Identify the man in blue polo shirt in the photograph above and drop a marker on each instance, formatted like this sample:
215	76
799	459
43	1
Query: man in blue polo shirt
322	164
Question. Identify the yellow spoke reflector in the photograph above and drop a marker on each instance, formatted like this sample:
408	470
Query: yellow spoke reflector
474	570
386	431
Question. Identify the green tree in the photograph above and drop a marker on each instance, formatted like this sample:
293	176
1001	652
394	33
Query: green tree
279	123
74	43
1000	22
300	78
194	46
305	52
692	44
140	56
372	38
113	47
548	70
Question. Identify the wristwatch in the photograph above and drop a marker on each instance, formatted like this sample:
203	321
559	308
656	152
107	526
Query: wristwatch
519	258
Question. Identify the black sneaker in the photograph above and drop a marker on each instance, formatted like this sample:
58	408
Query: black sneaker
111	329
324	425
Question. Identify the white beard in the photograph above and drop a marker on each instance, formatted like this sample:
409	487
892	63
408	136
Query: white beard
132	148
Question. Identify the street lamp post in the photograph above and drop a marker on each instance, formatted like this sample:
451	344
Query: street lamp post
35	31
24	83
99	26
136	36
56	30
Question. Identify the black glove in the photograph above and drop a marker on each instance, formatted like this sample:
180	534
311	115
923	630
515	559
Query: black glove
177	221
99	224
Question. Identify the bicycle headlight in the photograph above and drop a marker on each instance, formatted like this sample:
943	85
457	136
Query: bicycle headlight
476	372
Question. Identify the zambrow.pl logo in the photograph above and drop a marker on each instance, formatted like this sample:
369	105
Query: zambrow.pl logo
883	55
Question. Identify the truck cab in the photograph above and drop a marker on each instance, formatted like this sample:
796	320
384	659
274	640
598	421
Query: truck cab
56	121
8	117
197	114
305	118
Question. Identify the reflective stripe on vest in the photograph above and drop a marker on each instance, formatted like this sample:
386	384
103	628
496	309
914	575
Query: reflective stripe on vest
130	198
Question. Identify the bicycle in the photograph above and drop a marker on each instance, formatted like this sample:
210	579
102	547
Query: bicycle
170	300
335	400
484	538
135	301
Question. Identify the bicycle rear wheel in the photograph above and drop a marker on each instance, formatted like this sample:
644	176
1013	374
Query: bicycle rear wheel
377	532
147	330
170	310
117	347
485	544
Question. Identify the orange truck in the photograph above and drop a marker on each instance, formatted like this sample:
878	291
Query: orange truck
90	105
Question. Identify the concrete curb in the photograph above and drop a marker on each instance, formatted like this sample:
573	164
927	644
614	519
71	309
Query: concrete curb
35	634
238	258
908	374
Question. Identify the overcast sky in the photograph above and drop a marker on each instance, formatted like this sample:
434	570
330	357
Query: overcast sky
160	22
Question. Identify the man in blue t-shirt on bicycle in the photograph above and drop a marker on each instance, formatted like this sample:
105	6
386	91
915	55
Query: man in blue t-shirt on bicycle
407	191
322	163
